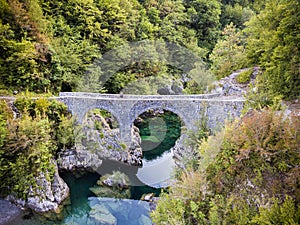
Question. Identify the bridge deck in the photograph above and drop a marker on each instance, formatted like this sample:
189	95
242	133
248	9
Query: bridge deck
207	97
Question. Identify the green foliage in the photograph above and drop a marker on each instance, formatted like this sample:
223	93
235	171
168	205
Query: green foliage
41	106
260	144
201	79
49	46
185	203
273	37
3	131
286	213
245	176
169	211
65	132
5	110
27	153
236	14
103	117
123	146
205	19
18	66
228	54
244	76
259	97
30	143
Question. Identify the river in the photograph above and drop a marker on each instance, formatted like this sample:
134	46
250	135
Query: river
158	135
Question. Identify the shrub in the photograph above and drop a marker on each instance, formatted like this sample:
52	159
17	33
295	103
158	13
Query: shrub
244	76
65	133
29	143
286	213
27	152
246	173
258	148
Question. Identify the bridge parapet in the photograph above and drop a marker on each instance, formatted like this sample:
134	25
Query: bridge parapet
140	97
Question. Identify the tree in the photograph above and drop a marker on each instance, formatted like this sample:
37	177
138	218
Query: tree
273	44
229	52
205	19
235	14
19	68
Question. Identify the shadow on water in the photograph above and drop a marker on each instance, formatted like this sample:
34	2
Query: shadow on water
138	188
79	191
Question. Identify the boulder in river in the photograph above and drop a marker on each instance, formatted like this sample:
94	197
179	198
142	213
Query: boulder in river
114	185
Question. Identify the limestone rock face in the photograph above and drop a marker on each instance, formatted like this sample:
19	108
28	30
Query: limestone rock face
48	196
181	151
101	142
72	160
171	89
229	86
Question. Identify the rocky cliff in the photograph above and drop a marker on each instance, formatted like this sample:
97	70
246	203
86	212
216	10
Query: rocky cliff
99	141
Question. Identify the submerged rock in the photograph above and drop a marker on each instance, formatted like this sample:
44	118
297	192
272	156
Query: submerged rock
99	214
122	211
144	220
117	179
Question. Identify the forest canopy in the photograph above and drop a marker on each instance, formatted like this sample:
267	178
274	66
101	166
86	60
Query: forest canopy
52	46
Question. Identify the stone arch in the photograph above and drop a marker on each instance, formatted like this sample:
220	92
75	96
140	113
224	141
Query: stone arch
139	108
108	109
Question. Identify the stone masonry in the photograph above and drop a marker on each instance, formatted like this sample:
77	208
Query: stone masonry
126	108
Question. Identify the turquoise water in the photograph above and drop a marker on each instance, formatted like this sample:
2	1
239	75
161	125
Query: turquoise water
77	212
158	136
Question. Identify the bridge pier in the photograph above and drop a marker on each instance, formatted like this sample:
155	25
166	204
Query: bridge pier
125	126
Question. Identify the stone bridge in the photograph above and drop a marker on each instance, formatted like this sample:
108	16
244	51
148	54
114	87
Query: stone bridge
126	108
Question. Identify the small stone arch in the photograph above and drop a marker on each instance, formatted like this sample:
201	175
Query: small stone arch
108	109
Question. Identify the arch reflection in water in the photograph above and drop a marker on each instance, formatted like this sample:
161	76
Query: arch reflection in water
157	173
159	130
